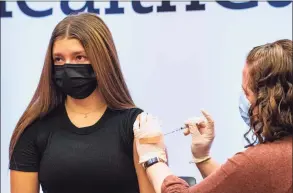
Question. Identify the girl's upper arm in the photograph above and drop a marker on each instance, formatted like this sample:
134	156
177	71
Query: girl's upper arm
144	184
24	182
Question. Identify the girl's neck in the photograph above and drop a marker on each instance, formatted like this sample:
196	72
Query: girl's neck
94	102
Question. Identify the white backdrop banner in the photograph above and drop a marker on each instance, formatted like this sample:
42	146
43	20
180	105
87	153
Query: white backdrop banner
177	57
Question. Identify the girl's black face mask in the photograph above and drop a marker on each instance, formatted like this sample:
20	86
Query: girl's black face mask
76	80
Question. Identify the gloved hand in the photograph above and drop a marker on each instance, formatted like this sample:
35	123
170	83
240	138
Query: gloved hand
202	132
149	138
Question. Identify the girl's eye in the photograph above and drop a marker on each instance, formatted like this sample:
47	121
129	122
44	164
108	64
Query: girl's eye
81	58
57	60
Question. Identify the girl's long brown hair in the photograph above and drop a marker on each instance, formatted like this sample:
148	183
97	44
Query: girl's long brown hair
271	81
98	43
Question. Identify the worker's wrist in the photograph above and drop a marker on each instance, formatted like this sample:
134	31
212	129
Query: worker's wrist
200	160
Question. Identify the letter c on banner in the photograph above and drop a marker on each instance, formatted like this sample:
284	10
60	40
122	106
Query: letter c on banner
138	8
33	13
232	5
279	3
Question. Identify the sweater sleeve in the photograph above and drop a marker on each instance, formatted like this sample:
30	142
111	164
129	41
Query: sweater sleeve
236	175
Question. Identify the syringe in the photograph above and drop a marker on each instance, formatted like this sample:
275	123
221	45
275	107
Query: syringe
181	128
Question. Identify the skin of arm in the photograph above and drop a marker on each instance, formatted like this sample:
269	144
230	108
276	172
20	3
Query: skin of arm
24	182
157	173
207	167
145	185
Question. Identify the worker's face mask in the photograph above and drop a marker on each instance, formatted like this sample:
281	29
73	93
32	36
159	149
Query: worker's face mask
76	80
244	106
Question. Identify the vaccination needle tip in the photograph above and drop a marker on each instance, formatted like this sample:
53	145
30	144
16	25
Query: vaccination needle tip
181	128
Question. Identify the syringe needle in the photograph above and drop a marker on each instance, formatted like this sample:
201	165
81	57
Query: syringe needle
181	128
